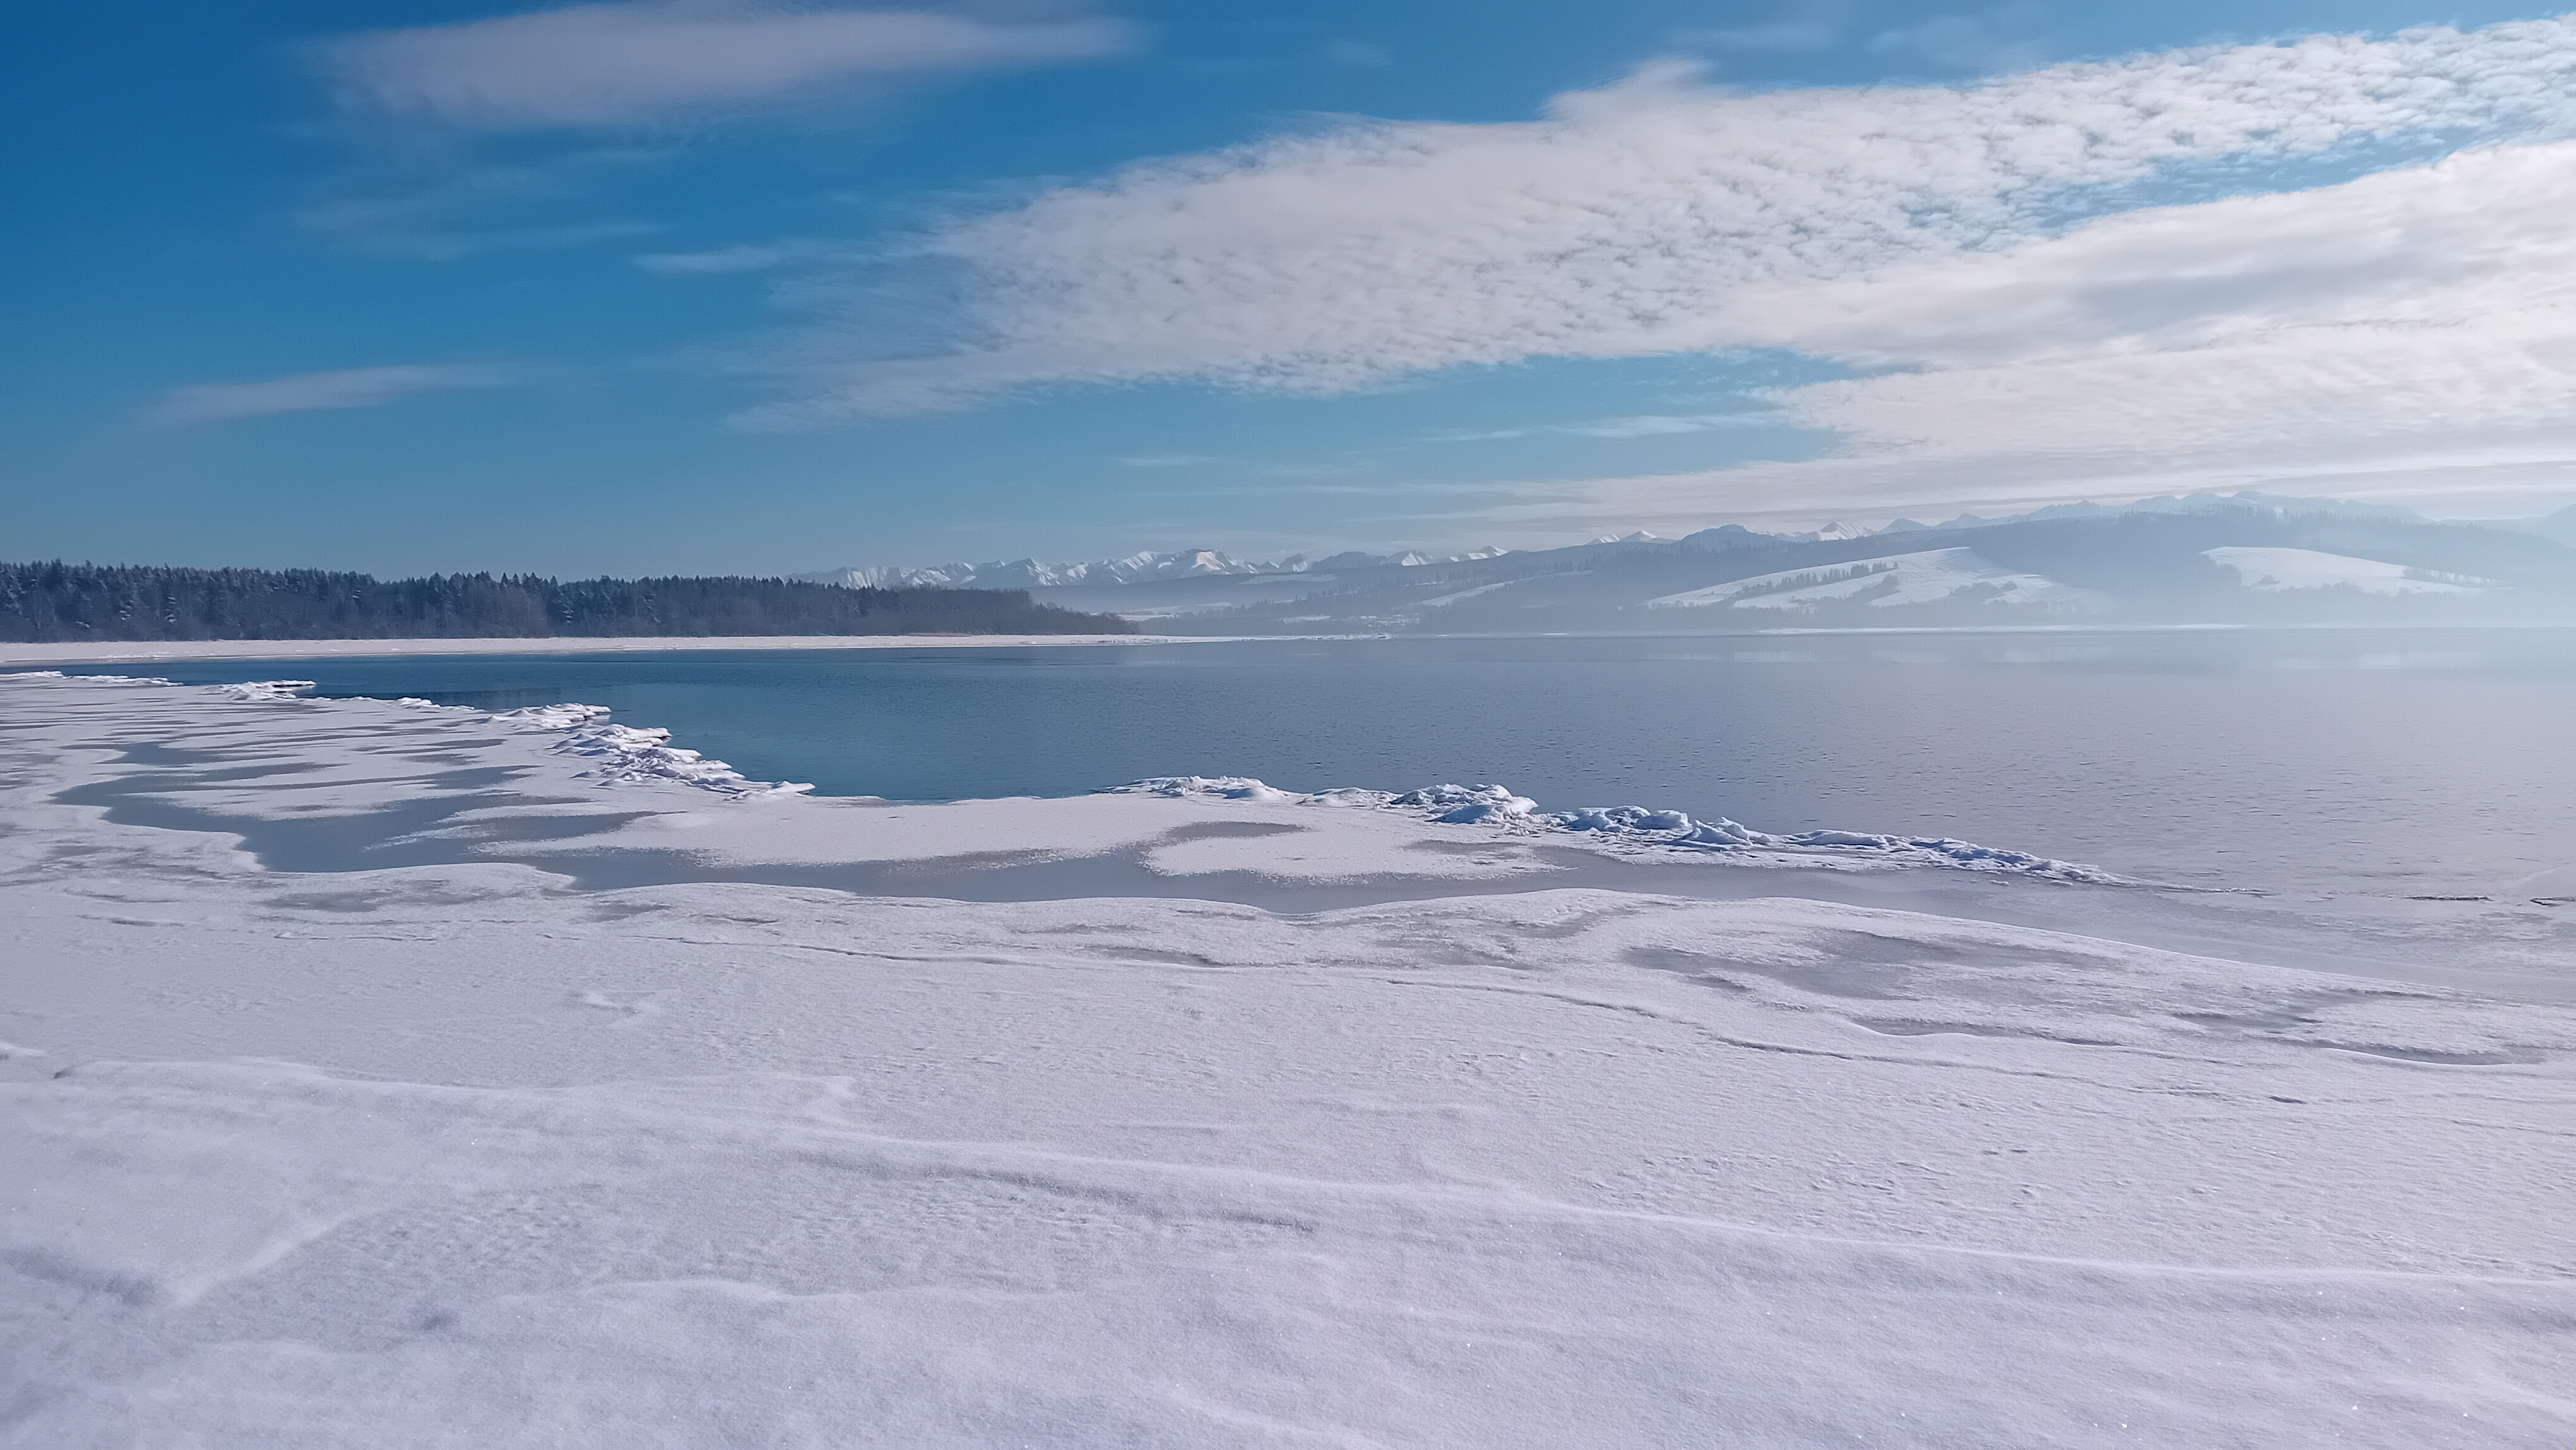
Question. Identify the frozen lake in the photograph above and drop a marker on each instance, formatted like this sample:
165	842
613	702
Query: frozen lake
444	1150
2398	762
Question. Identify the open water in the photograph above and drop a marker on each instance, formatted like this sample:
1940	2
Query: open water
2402	761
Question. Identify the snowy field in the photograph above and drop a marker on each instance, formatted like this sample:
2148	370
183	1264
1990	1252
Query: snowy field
2275	571
447	1138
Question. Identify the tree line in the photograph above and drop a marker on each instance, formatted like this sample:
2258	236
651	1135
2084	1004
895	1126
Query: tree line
56	601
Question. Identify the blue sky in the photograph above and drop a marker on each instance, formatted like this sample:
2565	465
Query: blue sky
711	285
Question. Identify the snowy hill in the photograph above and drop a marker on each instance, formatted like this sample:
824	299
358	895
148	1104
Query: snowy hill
2275	570
1892	582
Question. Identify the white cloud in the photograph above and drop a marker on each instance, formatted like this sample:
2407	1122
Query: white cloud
311	392
1641	219
2408	336
435	213
624	64
2404	325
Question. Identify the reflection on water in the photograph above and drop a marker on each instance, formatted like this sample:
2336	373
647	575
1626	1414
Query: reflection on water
2420	761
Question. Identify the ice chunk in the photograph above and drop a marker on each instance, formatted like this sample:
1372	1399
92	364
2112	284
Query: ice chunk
1219	787
553	717
264	691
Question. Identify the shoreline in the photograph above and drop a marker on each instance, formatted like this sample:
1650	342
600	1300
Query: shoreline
131	651
1293	856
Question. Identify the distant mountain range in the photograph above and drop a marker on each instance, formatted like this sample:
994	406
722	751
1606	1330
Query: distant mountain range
1134	569
2560	525
2201	558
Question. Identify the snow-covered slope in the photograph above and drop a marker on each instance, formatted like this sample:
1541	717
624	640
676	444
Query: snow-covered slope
1927	577
2274	570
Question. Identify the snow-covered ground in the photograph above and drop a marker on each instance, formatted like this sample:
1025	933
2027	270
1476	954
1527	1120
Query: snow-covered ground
454	1153
2276	570
1926	577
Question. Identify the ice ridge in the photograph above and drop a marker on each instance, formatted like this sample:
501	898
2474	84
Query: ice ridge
264	692
626	753
1635	826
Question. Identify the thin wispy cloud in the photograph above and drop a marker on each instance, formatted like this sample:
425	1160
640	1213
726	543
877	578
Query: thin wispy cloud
654	60
741	257
1168	460
444	210
1798	27
430	246
2001	38
197	403
1640	425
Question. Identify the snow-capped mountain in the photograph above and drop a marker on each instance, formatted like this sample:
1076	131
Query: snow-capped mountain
2560	525
2246	557
1149	567
1136	568
1033	574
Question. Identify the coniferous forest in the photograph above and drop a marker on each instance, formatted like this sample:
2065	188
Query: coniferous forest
42	602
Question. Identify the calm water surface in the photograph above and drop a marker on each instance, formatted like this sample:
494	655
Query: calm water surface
2401	761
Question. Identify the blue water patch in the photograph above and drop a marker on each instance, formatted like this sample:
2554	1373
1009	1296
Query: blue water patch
2417	760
